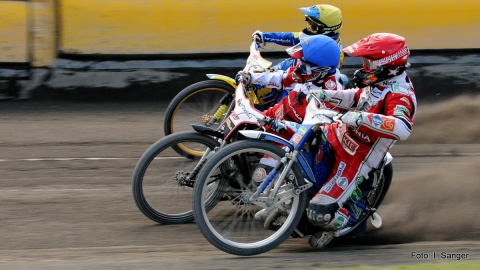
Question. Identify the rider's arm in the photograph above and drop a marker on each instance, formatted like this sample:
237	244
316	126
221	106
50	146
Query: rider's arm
268	78
281	38
396	122
344	99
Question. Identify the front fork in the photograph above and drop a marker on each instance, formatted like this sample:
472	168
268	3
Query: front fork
271	189
224	102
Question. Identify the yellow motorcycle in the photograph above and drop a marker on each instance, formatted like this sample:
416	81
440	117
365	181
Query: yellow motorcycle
208	102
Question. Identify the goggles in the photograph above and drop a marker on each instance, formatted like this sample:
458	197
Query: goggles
315	26
310	69
370	65
313	72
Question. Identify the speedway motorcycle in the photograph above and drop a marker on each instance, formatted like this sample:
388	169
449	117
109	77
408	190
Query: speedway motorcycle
229	223
207	102
163	178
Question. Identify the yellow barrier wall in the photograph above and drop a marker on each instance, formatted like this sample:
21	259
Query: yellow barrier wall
209	26
189	26
13	32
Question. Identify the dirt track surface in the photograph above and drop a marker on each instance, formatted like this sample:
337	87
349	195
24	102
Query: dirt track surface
67	204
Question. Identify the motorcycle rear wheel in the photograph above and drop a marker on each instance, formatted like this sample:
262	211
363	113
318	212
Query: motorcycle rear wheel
230	225
157	185
193	105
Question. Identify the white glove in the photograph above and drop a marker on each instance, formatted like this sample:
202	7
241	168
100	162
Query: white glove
258	37
318	93
353	119
302	87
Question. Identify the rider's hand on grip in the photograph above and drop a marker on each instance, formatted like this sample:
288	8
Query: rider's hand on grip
353	119
244	77
277	126
257	36
319	94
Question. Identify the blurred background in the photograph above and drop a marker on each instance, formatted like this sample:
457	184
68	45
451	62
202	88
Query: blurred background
151	49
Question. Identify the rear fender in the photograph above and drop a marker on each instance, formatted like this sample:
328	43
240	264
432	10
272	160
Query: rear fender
224	78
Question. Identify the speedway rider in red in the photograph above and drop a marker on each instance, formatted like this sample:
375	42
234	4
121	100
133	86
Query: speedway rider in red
381	111
382	108
315	61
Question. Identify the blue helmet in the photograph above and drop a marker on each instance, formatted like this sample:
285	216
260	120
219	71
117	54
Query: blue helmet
320	52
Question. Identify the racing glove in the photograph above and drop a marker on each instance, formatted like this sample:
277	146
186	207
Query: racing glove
353	119
244	77
258	37
277	126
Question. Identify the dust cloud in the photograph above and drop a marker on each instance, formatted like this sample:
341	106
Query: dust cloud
452	121
440	205
436	203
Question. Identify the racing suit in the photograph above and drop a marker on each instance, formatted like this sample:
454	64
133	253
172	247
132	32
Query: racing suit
293	108
387	112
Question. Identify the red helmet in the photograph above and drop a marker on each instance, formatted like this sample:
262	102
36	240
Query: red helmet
380	49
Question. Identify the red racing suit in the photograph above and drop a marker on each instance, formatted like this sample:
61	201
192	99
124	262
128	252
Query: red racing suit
387	112
292	107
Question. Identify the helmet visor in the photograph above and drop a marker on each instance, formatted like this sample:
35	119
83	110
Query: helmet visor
369	65
296	51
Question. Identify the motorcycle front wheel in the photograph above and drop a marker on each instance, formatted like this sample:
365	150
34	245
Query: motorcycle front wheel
160	184
230	224
198	104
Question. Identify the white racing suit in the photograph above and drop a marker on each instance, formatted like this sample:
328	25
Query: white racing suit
387	116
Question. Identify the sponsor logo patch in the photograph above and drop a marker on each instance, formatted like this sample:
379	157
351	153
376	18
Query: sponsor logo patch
401	110
342	182
296	137
302	130
330	84
339	172
234	116
349	144
381	122
397	89
279	113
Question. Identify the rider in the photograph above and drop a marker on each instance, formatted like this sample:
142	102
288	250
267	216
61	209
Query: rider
315	61
321	20
381	111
